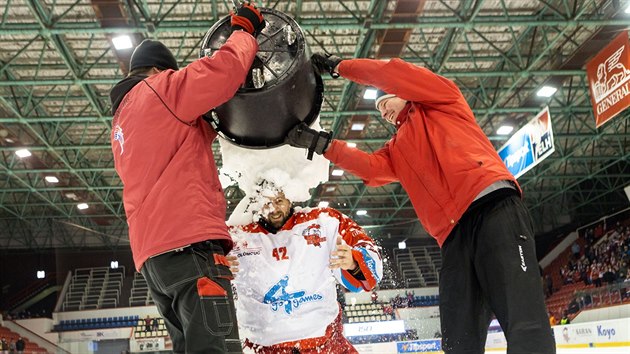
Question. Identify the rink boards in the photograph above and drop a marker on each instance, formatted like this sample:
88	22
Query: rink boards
601	337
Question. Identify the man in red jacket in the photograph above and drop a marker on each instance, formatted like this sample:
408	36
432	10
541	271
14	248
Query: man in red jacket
172	196
463	195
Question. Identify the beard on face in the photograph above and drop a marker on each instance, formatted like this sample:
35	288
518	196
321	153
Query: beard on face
277	219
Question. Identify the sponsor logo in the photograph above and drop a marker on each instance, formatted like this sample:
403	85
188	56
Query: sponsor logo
605	332
611	75
313	235
119	137
420	346
254	252
520	252
515	157
241	249
279	297
583	331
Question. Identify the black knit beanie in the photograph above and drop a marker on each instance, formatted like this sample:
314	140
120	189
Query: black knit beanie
151	53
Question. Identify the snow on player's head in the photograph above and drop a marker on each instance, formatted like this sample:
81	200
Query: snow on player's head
270	204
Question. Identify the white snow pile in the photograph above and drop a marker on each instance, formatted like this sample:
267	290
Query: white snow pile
287	168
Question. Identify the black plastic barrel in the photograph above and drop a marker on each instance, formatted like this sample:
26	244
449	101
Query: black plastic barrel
263	111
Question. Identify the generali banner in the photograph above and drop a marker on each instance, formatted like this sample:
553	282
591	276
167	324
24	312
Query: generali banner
608	78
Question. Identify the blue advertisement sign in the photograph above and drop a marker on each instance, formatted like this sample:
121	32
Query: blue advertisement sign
529	145
420	346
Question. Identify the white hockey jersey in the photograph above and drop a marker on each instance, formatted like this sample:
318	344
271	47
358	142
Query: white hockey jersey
285	290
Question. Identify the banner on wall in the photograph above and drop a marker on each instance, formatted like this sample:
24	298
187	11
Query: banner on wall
529	145
140	345
92	335
609	79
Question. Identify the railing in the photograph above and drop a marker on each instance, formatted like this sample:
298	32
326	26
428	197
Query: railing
602	296
31	290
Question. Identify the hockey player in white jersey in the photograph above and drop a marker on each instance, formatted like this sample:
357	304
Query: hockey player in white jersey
287	263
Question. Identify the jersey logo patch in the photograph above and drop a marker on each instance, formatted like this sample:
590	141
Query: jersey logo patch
313	235
280	297
119	137
242	249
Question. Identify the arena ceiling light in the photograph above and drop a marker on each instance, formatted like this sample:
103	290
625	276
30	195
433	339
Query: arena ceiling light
402	245
357	126
122	42
82	206
352	145
72	196
337	172
361	212
323	204
546	91
51	179
113	264
369	94
505	130
22	153
41	274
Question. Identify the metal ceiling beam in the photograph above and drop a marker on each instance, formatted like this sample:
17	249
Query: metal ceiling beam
50	149
324	114
451	74
314	24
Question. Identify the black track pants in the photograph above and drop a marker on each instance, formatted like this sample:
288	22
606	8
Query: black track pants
489	266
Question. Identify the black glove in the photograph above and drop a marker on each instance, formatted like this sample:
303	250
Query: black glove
304	137
249	19
326	63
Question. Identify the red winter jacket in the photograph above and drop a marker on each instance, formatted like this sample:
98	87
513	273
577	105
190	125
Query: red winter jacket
439	153
163	150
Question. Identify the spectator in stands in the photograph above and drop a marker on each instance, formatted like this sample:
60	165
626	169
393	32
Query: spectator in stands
286	262
172	196
552	319
389	311
575	249
396	301
463	194
410	298
574	307
596	275
20	345
12	346
374	297
548	285
156	324
4	346
565	319
148	324
622	271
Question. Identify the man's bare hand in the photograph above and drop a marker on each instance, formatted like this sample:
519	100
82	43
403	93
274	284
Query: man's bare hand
341	257
233	261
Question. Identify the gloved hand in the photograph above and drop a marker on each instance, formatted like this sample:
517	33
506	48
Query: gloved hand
326	63
304	137
249	19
